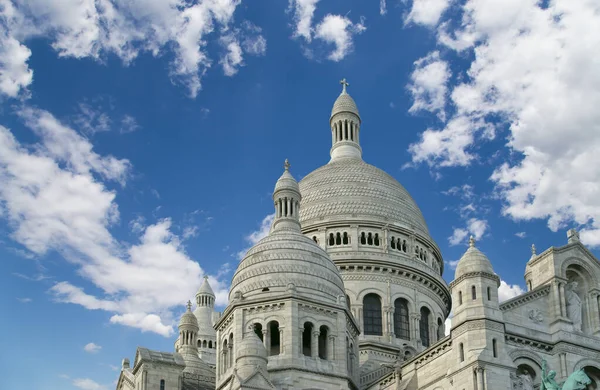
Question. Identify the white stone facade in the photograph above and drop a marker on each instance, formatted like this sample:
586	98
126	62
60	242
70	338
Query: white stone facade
346	292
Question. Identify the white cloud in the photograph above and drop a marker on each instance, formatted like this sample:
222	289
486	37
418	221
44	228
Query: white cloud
233	58
507	291
476	227
92	120
87	384
55	198
427	12
521	234
453	263
92	348
189	232
129	124
338	30
534	74
24	300
257	235
428	85
303	16
382	7
98	28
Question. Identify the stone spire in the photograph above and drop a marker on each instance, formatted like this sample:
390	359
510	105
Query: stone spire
286	198
345	127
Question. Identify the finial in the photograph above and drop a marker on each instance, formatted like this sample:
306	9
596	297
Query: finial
344	85
533	253
472	242
189	305
206	277
286	165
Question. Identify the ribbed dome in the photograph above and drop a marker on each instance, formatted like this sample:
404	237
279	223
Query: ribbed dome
287	260
188	319
344	103
352	189
473	261
251	346
286	181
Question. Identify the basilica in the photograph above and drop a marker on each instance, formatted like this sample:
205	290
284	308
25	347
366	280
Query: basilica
346	292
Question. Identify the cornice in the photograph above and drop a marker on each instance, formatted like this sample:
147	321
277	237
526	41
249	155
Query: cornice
477	274
523	299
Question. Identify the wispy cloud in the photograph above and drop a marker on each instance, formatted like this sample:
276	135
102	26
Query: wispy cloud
92	348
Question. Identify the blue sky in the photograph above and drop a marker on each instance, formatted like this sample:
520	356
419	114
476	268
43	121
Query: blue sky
140	142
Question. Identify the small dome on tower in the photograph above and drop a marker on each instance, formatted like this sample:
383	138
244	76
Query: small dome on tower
473	261
251	346
188	319
205	288
287	181
344	102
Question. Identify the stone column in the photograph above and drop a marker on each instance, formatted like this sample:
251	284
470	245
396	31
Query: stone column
480	373
392	314
266	342
556	299
563	302
314	344
301	341
281	343
331	348
230	355
562	359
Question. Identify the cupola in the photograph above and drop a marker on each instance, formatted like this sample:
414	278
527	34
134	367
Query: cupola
345	127
286	198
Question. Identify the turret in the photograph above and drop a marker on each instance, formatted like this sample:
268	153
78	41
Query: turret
345	127
286	198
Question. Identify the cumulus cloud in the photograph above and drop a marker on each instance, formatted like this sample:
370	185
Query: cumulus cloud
475	227
428	85
533	73
338	30
92	348
55	198
507	291
96	29
427	12
333	29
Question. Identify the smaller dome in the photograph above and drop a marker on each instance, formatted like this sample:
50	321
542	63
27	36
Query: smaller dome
205	289
344	103
188	319
287	181
251	347
473	261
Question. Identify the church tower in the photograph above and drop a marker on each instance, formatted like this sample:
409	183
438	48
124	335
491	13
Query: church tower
288	294
478	326
207	336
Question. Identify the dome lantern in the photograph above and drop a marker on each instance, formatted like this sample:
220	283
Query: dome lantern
345	127
286	198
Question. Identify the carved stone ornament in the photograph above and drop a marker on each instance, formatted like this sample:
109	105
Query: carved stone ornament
535	315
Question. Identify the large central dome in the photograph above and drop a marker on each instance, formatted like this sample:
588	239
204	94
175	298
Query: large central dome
349	188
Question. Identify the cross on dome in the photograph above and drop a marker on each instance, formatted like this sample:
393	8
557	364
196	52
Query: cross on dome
344	84
286	165
189	305
533	252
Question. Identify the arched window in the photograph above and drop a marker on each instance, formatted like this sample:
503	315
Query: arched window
331	239
363	239
530	285
323	335
351	131
401	320
345	239
338	239
204	344
473	293
424	326
461	352
210	344
274	339
460	298
376	240
346	131
494	348
393	243
372	315
370	239
315	239
404	246
307	339
199	343
162	384
225	354
489	294
258	330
